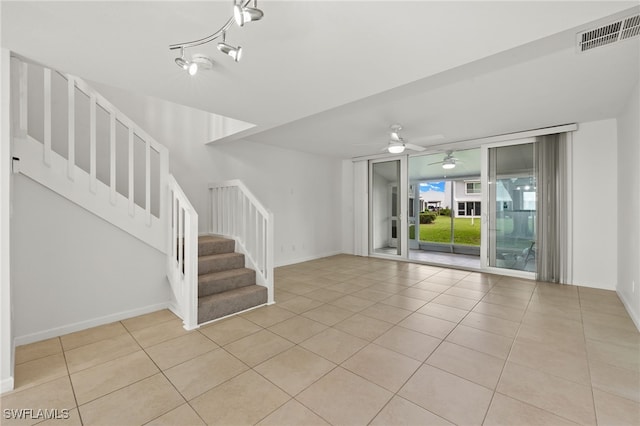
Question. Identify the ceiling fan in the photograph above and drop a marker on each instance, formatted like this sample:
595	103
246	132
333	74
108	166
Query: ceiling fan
397	143
449	161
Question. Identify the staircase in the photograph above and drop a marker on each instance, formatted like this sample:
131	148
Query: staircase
225	286
104	162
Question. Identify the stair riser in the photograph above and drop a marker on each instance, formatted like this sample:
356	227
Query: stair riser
214	286
207	266
206	248
213	309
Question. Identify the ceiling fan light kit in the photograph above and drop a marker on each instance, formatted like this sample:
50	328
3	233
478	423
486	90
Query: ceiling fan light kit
242	14
395	147
449	164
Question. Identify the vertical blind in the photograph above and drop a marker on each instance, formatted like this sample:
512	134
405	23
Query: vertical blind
553	208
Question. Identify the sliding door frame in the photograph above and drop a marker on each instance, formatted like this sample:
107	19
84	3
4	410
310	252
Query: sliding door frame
489	209
403	199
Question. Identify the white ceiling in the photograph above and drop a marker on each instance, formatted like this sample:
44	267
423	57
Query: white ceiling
326	76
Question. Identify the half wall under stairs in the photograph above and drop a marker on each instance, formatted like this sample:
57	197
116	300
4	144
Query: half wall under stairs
225	286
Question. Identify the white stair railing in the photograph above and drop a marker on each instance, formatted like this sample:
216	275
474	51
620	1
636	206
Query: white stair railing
121	173
182	265
237	213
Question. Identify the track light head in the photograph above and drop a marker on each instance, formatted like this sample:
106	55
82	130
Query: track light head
234	52
196	63
245	14
193	68
182	63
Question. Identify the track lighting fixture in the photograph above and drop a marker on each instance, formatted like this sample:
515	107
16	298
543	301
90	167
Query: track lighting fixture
242	14
234	52
197	62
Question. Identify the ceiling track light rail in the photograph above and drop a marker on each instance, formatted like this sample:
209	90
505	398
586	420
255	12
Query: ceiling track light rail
242	13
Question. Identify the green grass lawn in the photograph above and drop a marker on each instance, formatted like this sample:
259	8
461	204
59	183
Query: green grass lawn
466	233
440	231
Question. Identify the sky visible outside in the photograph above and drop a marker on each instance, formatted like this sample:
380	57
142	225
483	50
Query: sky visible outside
432	186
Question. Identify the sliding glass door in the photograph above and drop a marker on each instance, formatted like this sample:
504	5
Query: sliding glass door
511	214
386	212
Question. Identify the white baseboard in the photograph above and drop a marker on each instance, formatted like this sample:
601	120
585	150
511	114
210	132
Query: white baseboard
630	309
308	258
6	385
83	325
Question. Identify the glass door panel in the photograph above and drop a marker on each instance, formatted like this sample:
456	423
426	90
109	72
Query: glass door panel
385	209
512	202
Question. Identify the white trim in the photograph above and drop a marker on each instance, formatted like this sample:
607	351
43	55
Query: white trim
569	165
629	306
6	385
83	325
308	258
6	327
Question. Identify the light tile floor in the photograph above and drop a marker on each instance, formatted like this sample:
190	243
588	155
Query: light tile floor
354	341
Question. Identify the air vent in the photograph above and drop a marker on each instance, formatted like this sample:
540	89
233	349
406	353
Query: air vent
611	33
631	27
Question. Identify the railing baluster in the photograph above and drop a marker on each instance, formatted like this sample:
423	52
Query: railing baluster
180	239
255	237
147	181
132	203
174	224
92	144
24	114
244	219
112	156
71	154
47	117
263	258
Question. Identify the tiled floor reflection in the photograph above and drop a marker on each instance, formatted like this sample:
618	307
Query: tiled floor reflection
354	341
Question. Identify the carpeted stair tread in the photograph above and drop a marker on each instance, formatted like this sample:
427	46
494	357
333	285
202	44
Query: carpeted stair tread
229	302
218	282
219	262
211	244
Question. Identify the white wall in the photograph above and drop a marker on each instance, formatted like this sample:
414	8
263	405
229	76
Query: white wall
72	270
595	219
303	191
628	287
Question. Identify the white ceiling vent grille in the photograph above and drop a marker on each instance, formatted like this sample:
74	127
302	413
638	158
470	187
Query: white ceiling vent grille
611	33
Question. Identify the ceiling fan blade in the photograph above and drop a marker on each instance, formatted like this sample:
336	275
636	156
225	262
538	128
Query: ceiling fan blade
414	147
425	139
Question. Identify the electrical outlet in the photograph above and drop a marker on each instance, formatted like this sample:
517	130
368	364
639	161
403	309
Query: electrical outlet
633	286
293	248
